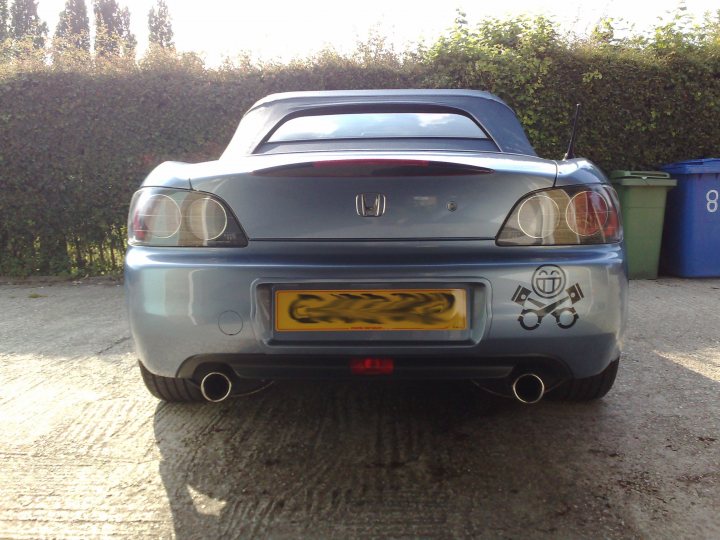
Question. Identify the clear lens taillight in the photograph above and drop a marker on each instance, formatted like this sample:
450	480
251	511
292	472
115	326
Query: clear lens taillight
538	216
155	215
207	219
564	216
176	217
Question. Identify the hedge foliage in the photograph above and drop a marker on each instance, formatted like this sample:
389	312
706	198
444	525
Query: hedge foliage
78	135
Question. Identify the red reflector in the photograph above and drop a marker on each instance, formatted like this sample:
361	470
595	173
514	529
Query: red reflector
372	366
371	163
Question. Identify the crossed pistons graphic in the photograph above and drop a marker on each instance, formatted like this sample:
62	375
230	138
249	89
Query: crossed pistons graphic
548	281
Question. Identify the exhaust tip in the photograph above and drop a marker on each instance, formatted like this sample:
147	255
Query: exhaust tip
528	388
215	386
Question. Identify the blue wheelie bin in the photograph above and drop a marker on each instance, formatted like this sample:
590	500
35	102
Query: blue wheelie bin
691	237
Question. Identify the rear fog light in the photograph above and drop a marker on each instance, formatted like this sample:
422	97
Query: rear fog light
372	366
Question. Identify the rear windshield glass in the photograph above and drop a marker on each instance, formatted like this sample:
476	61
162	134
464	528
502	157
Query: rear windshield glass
377	126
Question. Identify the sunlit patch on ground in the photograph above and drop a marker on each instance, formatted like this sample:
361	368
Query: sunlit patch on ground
705	362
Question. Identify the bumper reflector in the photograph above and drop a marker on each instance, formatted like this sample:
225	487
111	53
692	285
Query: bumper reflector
372	366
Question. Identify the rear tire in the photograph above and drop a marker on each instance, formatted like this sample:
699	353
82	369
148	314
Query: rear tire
588	388
171	389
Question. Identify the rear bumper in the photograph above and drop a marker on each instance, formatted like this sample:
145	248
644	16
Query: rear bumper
251	366
191	307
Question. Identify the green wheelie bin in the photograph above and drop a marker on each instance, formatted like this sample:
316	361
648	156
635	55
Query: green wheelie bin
642	201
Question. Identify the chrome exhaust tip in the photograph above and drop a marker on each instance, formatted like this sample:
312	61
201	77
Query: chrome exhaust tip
528	388
215	386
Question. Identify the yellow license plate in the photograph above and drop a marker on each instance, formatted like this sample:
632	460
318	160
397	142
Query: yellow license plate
368	310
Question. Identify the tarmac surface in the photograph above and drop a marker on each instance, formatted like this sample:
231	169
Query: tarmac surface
87	452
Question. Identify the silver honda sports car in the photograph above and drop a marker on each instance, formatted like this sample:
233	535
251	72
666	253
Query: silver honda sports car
386	234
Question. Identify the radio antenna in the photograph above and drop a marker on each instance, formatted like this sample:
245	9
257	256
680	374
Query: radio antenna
570	154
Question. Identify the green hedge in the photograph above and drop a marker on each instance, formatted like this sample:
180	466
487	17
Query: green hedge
77	137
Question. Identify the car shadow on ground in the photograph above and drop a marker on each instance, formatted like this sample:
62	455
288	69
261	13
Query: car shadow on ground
312	450
428	459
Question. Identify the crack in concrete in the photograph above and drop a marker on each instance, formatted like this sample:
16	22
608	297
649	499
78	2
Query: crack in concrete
114	344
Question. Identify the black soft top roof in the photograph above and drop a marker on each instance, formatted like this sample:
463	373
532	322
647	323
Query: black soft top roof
493	114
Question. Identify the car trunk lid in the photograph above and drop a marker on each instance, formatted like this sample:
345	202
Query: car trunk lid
383	196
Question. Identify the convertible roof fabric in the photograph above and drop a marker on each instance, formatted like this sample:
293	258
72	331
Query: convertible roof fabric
488	110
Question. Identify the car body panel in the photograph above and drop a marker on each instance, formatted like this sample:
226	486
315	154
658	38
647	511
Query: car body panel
170	174
578	171
179	297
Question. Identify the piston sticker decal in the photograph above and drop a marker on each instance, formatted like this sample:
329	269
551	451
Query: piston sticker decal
548	283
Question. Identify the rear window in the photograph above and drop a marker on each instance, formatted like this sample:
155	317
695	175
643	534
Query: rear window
381	125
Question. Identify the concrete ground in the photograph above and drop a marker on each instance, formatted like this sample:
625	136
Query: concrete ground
87	452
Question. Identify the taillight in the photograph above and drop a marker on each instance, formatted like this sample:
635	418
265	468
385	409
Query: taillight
370	163
587	213
155	216
182	218
564	216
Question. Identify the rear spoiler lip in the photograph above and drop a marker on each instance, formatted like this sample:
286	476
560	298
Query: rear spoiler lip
372	167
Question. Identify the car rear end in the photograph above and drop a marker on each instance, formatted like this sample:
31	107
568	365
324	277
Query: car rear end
433	264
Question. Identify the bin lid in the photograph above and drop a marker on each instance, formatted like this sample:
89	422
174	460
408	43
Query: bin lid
642	178
694	166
